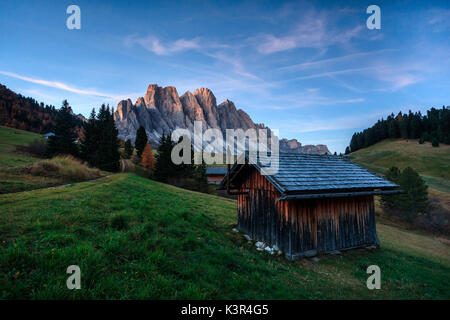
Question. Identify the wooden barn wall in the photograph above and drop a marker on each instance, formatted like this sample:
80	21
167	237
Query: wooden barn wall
296	226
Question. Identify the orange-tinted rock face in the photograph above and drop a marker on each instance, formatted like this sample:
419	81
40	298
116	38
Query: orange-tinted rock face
161	110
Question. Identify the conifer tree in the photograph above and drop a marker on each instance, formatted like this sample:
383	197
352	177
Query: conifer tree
200	177
347	150
141	140
128	151
63	142
163	159
89	143
392	175
415	198
100	146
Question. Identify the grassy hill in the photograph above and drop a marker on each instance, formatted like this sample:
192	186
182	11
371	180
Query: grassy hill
433	164
137	238
20	171
11	138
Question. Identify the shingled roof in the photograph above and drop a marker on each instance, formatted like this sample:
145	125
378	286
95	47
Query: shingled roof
309	176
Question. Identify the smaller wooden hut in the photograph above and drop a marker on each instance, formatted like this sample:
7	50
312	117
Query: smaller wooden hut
215	175
314	203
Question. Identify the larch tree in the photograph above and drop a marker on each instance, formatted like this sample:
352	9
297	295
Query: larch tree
148	161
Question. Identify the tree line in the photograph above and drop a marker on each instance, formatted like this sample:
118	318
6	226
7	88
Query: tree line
99	147
25	113
163	169
433	127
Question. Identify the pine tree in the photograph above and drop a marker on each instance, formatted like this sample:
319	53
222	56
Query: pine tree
392	129
201	178
63	142
415	198
148	161
164	167
113	143
128	151
100	145
404	127
89	143
141	141
388	202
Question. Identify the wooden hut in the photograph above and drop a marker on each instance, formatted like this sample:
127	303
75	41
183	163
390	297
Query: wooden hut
215	175
314	203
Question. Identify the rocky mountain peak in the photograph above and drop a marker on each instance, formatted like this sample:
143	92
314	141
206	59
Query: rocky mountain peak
161	110
207	101
124	108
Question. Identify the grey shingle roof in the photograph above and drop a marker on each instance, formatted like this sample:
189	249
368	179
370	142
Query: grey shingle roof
307	173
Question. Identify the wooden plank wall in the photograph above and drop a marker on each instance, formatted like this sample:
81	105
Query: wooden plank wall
296	226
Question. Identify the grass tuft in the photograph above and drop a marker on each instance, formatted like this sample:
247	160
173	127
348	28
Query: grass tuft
66	167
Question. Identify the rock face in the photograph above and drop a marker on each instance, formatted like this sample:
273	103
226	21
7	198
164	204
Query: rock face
161	110
296	147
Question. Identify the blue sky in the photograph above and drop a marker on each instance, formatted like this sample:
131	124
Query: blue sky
313	70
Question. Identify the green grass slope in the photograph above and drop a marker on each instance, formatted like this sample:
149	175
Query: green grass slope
11	138
20	172
134	238
433	164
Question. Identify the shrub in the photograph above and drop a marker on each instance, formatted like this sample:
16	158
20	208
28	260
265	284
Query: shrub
447	139
421	140
435	142
66	167
426	136
415	196
36	148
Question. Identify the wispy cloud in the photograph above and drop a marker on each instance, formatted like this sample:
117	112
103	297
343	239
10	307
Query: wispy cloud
308	98
330	61
312	32
332	73
63	86
235	62
439	19
155	45
399	81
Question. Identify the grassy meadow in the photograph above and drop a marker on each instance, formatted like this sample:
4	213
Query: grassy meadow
135	238
433	164
21	172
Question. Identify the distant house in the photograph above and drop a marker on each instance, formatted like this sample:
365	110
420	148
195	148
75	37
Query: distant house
215	175
314	203
47	135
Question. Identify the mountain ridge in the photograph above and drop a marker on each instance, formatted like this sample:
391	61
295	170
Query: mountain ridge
162	110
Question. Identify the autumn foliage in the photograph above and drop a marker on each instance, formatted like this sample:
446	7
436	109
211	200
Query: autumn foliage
148	161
